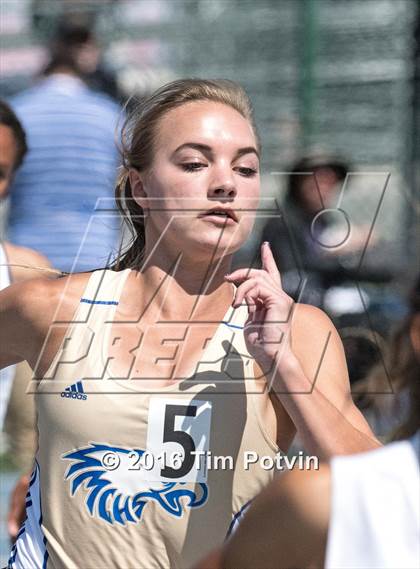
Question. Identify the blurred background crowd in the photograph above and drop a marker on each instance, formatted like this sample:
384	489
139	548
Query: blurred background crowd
336	89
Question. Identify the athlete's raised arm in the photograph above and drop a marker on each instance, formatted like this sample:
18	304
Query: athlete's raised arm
299	351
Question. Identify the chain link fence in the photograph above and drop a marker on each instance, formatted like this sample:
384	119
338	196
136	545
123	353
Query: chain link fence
334	74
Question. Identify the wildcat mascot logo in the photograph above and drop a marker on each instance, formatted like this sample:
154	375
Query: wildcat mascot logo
121	495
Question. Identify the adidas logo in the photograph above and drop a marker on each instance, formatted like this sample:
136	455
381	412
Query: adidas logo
74	391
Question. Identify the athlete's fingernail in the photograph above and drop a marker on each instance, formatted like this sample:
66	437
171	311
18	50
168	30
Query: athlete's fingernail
227	275
267	243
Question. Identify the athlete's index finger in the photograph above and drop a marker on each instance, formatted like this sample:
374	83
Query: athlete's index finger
268	262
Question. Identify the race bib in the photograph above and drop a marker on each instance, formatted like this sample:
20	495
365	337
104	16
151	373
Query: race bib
178	440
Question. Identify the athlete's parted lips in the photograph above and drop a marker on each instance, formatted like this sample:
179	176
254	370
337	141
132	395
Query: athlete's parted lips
220	211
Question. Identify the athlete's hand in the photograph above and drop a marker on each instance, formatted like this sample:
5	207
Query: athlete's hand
268	326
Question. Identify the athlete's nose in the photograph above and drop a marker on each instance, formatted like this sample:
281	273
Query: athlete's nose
223	187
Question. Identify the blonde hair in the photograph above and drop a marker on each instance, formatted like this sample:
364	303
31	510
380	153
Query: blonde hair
138	144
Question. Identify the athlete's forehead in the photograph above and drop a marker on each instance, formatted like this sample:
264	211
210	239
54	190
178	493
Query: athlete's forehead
210	124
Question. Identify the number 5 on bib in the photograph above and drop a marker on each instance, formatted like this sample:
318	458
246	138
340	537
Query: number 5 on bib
182	430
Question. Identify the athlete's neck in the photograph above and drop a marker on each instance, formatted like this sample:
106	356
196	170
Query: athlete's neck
178	295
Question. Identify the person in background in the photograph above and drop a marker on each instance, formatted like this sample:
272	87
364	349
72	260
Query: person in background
71	164
328	277
17	411
361	511
313	184
75	37
384	395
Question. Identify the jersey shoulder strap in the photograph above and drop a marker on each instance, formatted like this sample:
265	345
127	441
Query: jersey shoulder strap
101	295
84	332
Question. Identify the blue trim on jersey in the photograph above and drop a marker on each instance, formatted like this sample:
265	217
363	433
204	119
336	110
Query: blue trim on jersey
33	479
88	301
46	555
20	532
236	518
233	325
14	551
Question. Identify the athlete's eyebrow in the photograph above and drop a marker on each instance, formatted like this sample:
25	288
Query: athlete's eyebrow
205	149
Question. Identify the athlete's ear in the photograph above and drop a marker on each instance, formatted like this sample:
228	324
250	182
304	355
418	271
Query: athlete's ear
137	187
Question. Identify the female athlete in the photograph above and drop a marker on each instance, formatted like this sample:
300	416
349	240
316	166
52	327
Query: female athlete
158	376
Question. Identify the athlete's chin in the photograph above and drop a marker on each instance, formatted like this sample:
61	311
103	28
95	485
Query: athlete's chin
216	242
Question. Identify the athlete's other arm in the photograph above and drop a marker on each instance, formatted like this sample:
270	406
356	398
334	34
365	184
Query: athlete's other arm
25	306
285	527
24	264
326	417
18	309
27	311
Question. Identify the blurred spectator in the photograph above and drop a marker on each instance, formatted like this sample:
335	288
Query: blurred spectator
71	163
314	183
326	275
384	396
75	43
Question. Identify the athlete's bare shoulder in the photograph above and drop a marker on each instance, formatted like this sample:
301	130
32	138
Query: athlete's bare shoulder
28	308
27	263
43	299
310	320
318	346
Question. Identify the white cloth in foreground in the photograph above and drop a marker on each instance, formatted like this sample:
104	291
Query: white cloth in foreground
375	509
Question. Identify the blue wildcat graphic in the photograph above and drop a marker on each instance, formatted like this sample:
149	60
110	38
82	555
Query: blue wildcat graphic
120	495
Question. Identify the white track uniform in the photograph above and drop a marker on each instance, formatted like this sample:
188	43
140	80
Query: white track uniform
90	503
6	374
375	518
